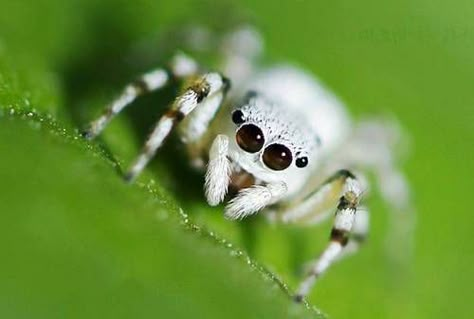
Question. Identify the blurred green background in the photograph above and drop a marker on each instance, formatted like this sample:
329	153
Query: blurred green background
76	242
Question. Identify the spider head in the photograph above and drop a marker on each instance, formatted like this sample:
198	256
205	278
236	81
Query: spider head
270	143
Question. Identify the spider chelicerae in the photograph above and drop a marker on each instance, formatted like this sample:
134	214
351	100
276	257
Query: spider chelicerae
277	141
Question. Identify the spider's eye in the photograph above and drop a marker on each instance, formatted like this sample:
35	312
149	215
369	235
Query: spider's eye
250	138
277	157
301	162
238	117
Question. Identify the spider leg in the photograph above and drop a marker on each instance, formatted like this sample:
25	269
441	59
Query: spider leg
218	171
208	90
253	199
241	49
344	222
317	205
371	148
181	66
359	232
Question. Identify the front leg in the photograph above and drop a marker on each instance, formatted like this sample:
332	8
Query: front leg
249	200
253	199
209	88
218	171
343	225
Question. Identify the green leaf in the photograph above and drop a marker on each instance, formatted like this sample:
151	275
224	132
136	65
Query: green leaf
413	59
76	241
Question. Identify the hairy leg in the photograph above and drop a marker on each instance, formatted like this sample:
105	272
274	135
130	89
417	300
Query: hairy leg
253	199
209	88
344	221
180	66
218	171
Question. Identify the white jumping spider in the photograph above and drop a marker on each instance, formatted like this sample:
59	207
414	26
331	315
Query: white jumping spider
279	139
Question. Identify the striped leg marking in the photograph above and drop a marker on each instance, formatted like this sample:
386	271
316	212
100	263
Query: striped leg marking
148	82
181	66
358	234
318	205
343	223
210	84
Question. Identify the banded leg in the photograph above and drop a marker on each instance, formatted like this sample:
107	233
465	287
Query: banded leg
343	223
372	148
318	205
357	237
181	66
208	88
358	234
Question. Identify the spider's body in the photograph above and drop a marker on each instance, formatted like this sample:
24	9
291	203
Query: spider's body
277	141
293	109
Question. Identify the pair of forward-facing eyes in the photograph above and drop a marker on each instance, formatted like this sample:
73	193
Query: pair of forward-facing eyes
250	138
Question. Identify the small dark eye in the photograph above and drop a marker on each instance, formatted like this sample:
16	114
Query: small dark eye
250	138
238	117
301	162
277	157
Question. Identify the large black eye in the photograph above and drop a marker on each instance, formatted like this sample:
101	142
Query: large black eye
277	157
301	162
238	117
250	138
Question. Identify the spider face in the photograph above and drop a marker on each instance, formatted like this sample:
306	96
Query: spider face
250	138
268	143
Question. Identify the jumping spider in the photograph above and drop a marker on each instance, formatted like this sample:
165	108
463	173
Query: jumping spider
280	140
